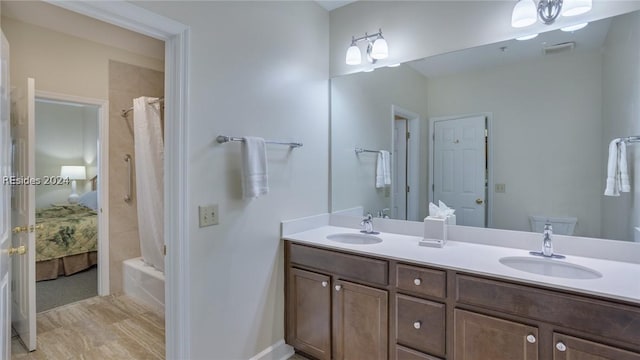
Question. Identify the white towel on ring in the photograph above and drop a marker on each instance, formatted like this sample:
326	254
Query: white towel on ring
617	173
383	169
254	167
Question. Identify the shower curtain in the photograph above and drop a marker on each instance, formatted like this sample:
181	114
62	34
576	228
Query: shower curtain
149	165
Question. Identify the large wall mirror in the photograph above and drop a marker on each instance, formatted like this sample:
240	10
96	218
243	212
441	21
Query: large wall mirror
510	134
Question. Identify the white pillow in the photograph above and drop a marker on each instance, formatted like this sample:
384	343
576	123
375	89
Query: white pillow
90	200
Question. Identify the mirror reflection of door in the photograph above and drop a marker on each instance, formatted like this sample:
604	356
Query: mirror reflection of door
400	186
460	167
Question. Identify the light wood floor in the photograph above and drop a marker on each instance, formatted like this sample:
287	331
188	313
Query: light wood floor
110	327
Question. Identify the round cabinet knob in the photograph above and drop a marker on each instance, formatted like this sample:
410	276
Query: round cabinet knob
417	324
561	346
324	284
338	287
531	339
417	281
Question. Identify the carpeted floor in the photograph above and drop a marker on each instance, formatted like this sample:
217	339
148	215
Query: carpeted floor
66	289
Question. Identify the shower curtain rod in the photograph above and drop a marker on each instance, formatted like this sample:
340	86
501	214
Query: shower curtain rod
126	112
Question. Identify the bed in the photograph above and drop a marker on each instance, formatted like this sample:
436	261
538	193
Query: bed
66	238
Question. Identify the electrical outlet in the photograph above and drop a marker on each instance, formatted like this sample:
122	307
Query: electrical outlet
501	188
208	215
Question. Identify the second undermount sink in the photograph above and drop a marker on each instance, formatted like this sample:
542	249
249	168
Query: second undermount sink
550	267
351	238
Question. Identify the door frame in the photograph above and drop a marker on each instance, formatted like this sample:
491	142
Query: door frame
490	186
103	176
413	149
176	162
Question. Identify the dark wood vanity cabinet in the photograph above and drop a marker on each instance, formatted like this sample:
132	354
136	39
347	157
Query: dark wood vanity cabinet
346	306
327	315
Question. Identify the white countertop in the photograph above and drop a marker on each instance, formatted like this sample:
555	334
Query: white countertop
620	280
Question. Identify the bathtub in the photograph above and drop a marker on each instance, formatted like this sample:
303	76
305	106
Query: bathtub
143	282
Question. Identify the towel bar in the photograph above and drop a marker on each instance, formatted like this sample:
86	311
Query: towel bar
221	139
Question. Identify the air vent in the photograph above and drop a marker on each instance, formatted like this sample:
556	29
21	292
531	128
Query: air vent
558	48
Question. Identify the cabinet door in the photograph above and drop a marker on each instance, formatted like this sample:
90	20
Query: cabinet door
360	322
571	348
309	313
481	337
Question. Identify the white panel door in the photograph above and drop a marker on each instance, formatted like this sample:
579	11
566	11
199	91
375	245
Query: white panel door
5	204
460	156
23	313
399	182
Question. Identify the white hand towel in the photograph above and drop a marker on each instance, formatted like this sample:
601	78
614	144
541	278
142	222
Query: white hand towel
617	173
611	188
622	167
254	167
383	169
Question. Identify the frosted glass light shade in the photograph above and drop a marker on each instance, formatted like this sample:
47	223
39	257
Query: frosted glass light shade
576	7
354	57
524	14
380	49
73	172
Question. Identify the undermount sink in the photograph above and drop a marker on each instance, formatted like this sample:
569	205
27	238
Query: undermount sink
550	267
351	238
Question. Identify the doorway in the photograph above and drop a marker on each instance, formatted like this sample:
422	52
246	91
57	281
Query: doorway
405	126
175	35
66	149
460	167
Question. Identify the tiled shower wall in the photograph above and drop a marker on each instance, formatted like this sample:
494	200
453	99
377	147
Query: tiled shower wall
126	82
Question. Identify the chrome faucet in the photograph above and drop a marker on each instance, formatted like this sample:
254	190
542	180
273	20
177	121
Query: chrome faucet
547	244
367	225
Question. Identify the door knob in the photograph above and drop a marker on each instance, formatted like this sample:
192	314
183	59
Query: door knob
479	201
20	250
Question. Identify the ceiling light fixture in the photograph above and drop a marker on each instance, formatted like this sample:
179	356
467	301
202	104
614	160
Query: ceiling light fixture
526	12
377	49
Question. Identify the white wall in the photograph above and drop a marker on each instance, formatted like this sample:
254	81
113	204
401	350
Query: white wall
361	117
621	107
257	68
62	63
417	29
547	134
62	139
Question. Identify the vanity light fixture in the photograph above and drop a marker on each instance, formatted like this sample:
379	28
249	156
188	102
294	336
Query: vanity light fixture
377	49
526	12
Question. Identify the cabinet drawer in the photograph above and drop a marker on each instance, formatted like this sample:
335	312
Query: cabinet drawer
606	319
567	347
348	266
402	353
420	324
421	280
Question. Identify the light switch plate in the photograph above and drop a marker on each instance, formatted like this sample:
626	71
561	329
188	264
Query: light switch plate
208	215
501	188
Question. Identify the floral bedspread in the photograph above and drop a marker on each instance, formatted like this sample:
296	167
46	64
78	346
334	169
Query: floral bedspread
66	230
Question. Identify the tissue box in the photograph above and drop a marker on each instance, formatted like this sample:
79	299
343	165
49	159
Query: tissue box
435	230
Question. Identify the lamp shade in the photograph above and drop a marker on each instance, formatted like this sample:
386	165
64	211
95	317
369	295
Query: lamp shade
354	57
73	172
576	7
524	14
380	49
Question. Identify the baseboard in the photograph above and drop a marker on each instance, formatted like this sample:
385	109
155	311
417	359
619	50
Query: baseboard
277	351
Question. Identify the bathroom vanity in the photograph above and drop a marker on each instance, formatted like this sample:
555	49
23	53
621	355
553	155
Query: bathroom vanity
396	300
